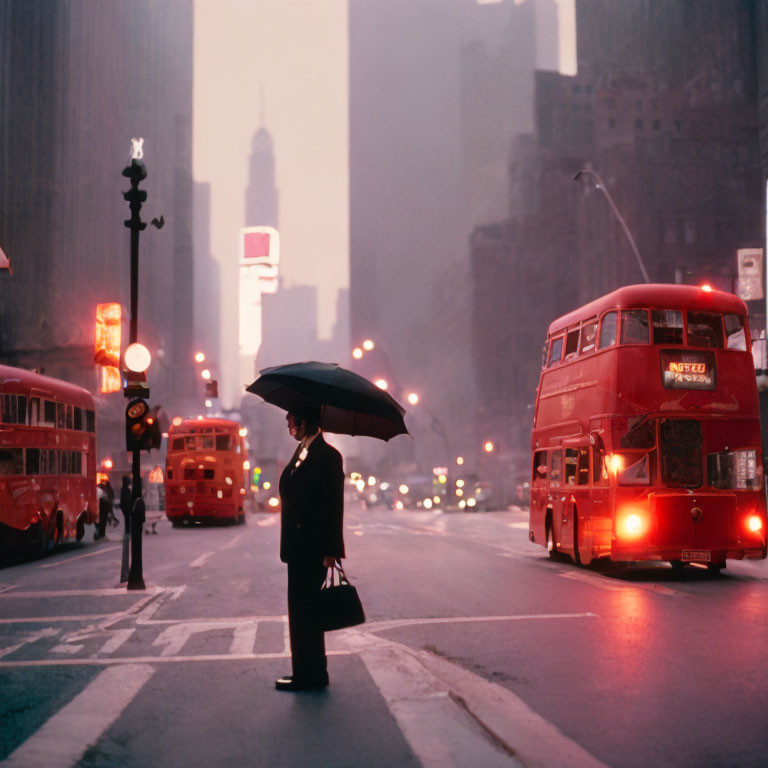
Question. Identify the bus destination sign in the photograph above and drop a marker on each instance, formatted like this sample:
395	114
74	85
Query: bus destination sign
687	370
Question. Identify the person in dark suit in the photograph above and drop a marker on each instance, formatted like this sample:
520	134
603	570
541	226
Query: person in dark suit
311	539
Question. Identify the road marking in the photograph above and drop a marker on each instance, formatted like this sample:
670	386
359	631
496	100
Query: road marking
62	740
108	662
524	526
79	557
33	637
77	593
244	638
603	582
9	587
438	731
202	560
235	541
49	619
267	521
508	718
380	626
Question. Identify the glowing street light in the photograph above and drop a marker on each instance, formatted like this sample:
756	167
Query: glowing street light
177	421
488	446
459	460
381	383
199	357
413	398
357	353
368	345
206	374
137	357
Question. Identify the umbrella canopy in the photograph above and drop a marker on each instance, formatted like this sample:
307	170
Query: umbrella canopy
351	405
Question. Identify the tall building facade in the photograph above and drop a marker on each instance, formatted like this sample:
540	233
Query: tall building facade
78	81
671	128
430	129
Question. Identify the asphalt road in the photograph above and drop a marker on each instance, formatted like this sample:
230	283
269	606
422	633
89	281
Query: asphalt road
478	650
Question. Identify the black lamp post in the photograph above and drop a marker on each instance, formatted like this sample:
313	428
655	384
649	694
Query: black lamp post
136	172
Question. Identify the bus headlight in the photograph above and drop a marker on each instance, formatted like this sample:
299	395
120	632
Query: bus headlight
754	523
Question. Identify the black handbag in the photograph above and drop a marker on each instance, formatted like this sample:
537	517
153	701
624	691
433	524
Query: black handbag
339	604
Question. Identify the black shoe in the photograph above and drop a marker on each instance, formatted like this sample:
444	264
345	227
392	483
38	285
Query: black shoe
287	683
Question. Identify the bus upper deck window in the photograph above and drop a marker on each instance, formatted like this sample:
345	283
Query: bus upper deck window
607	331
79	419
190	442
222	443
555	351
207	442
544	354
588	334
177	444
49	413
705	329
571	343
667	326
634	326
735	335
61	416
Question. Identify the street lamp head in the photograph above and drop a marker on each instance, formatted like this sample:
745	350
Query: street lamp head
205	373
357	353
488	446
199	357
413	398
368	345
137	357
381	383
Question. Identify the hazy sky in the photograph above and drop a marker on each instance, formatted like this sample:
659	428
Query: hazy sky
295	53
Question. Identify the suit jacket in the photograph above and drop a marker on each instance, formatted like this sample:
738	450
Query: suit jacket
312	497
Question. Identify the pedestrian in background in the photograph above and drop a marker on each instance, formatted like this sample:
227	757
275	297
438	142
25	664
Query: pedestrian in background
311	539
125	508
106	496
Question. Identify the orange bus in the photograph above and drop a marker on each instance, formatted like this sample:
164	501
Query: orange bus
47	460
206	471
646	438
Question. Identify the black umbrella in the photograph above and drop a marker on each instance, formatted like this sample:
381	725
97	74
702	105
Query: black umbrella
351	405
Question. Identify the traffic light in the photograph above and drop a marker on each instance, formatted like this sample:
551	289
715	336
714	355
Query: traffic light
212	389
142	431
256	477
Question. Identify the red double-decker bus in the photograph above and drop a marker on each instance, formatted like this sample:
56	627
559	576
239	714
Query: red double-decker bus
646	439
47	460
206	471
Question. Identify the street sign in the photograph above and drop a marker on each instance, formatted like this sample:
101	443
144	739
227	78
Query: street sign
750	270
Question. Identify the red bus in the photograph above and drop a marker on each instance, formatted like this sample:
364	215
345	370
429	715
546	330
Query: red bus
206	471
646	438
47	460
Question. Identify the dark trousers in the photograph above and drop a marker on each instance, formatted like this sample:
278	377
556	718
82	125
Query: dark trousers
103	516
305	577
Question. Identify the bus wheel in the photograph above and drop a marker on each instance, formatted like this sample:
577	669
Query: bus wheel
80	528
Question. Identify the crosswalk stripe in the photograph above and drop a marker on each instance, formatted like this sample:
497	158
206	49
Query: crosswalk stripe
63	739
